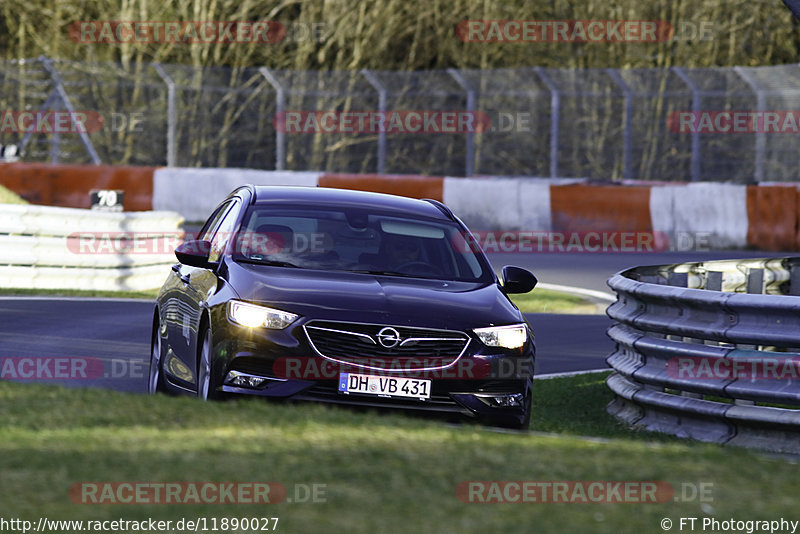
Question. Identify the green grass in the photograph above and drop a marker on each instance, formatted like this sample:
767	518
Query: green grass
150	295
383	472
576	405
548	301
9	197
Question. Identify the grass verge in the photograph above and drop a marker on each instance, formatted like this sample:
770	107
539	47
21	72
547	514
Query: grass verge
548	301
9	197
89	293
382	472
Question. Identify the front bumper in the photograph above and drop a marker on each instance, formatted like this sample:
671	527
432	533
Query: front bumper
485	383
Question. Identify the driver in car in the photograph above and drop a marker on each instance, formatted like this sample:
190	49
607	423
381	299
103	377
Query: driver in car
399	250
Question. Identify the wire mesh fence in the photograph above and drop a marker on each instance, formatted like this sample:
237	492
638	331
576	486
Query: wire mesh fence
673	124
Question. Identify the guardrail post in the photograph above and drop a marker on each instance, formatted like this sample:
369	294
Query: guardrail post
755	285
172	113
755	281
678	279
794	280
280	107
378	85
555	112
682	280
713	281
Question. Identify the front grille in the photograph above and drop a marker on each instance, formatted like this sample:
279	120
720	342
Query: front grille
358	344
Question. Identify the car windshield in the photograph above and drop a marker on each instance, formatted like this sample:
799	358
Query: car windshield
358	241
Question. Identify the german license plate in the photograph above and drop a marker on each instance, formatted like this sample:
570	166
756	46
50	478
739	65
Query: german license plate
385	386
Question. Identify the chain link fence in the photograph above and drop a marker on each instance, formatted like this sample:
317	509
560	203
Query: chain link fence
606	124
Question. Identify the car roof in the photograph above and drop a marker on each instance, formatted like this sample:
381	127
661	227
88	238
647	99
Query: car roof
346	198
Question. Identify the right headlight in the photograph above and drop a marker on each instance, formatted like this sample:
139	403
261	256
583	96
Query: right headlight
508	337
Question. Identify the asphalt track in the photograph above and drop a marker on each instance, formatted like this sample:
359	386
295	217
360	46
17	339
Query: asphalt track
114	335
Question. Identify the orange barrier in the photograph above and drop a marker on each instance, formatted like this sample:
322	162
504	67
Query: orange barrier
69	185
772	217
600	208
404	185
773	211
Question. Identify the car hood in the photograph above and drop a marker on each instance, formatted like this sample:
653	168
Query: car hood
355	297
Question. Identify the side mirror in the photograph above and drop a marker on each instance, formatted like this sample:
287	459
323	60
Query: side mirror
518	280
194	254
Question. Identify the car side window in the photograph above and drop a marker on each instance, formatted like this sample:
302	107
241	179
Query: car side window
224	231
210	227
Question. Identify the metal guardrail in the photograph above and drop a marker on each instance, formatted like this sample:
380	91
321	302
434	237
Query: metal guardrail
64	248
710	351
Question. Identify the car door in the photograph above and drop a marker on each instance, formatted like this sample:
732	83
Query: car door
180	314
199	284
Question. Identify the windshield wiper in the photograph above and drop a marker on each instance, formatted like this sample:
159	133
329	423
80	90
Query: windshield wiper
271	263
388	273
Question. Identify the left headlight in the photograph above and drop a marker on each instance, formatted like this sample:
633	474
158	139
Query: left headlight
507	337
252	315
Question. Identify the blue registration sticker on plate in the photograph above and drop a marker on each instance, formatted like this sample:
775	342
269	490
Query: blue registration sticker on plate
343	381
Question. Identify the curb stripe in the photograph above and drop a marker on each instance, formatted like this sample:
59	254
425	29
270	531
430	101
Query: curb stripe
704	214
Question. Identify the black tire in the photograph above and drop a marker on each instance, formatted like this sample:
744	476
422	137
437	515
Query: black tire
515	423
155	380
526	422
206	384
